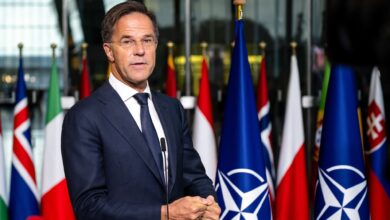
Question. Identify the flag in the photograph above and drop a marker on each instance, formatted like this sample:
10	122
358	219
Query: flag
55	203
3	182
170	84
241	182
23	191
341	190
320	117
291	187
85	82
263	114
203	128
378	181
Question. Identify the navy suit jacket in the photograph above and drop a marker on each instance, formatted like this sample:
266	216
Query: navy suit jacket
109	169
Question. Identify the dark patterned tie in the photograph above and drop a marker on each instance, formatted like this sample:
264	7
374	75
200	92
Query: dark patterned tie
149	131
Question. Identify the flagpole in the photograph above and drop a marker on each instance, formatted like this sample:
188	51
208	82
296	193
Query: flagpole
20	46
262	46
293	46
53	47
309	130
66	46
170	46
204	45
84	47
239	8
188	49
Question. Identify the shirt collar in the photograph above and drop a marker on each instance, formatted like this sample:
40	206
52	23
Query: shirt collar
125	91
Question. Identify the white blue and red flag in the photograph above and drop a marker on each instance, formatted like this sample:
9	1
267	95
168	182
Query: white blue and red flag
263	114
341	189
378	181
241	182
23	202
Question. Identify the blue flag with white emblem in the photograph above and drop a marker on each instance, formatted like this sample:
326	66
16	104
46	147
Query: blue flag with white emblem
341	188
241	182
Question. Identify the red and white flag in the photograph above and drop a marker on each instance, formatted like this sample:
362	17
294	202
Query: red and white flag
292	200
203	130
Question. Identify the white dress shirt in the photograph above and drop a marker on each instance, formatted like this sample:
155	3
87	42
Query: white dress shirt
127	95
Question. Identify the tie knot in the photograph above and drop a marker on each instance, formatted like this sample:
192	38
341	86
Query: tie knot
142	98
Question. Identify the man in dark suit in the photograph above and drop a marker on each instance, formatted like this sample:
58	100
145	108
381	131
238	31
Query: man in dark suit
112	167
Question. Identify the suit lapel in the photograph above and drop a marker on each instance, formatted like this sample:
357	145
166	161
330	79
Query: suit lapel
164	116
116	112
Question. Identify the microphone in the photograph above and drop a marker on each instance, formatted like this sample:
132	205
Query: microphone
165	165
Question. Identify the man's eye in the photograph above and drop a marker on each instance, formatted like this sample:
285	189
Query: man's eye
148	41
126	42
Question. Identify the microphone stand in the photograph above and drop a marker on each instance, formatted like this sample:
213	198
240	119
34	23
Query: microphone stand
165	165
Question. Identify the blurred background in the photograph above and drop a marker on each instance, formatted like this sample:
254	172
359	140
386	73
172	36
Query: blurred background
348	31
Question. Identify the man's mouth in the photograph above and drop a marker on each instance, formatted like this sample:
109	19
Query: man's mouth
138	63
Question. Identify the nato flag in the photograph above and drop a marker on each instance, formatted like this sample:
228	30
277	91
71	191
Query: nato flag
341	191
241	182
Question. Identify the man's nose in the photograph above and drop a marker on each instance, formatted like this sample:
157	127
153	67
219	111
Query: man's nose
138	48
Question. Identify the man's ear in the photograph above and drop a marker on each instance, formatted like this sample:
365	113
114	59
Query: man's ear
108	51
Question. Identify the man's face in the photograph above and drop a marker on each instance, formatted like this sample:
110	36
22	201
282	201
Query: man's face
132	50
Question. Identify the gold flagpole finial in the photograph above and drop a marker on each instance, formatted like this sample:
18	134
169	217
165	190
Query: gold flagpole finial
262	46
20	46
170	46
84	47
293	46
53	47
204	45
239	8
